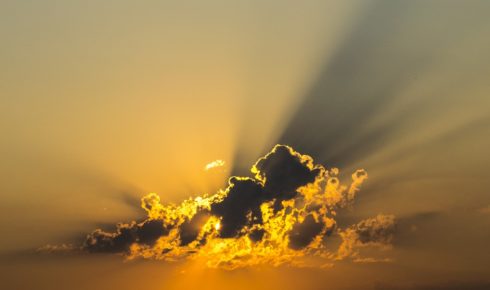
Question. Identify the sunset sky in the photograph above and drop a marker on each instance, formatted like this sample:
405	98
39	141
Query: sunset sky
108	106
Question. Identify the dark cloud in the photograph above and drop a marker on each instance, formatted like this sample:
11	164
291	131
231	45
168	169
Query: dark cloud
119	241
380	229
278	176
256	235
149	231
146	232
189	230
285	206
244	196
303	233
283	171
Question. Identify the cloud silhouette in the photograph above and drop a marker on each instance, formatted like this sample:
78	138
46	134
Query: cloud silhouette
374	232
283	214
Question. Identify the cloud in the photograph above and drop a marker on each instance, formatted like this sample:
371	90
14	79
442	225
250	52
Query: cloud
283	171
57	249
284	214
243	197
278	176
303	233
214	164
378	230
372	232
146	232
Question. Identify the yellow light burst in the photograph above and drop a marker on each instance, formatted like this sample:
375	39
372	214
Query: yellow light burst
217	226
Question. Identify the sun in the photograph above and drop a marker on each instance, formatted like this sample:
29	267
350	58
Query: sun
217	226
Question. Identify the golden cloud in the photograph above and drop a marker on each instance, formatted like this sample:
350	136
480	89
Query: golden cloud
283	215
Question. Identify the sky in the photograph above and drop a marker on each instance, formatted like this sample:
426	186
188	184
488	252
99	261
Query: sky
119	111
